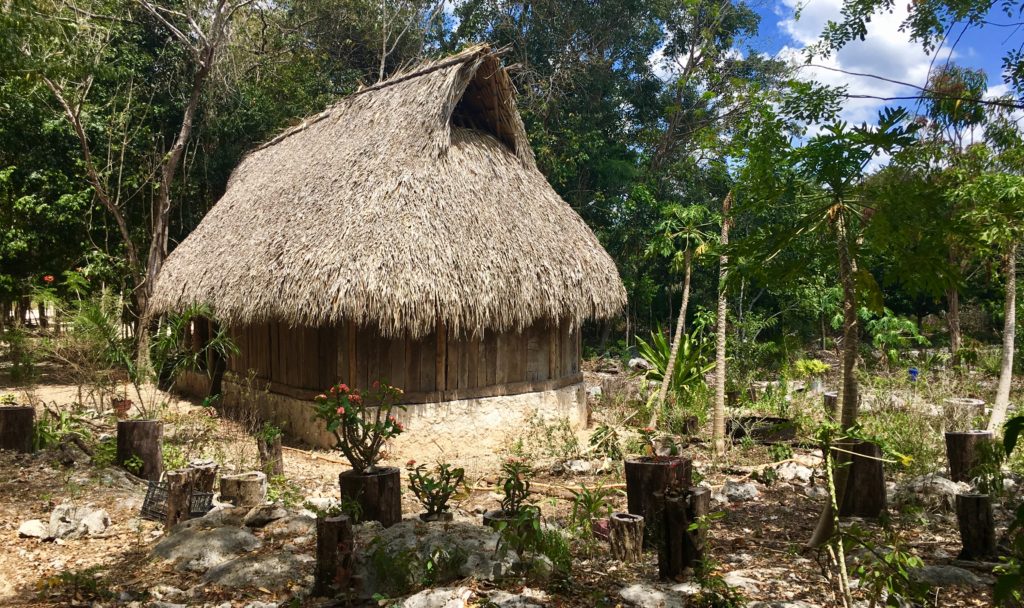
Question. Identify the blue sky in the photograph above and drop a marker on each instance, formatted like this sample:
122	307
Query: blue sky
886	52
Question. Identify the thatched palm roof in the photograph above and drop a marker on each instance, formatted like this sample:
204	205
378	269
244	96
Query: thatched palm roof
410	202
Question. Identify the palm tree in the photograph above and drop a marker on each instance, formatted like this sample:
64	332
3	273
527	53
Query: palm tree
682	235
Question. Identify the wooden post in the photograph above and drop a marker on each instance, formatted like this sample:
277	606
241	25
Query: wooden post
626	537
865	485
962	453
977	528
244	490
379	494
141	439
675	521
179	488
649	475
698	504
334	544
16	427
271	456
830	399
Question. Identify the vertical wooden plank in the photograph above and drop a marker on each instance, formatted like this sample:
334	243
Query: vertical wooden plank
412	364
473	362
396	358
536	356
428	363
467	352
453	353
566	337
491	357
350	353
501	370
554	350
441	357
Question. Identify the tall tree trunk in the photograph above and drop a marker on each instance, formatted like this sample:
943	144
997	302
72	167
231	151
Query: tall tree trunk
847	404
718	416
673	354
953	320
1009	333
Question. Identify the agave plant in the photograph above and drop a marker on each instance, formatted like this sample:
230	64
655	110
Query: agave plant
693	361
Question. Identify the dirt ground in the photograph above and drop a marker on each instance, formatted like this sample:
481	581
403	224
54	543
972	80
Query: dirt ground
757	541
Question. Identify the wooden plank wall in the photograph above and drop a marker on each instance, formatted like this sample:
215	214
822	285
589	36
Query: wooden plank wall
315	358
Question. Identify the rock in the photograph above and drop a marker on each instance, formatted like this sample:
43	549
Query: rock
607	466
262	605
594	392
442	597
167	592
159	604
270	571
529	598
33	528
262	515
558	468
578	467
739	578
290	527
215	518
644	595
69	521
320	503
791	471
737	492
640	364
816	492
947	576
773	604
931	492
198	550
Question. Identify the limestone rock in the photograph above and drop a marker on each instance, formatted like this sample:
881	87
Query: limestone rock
932	492
578	467
217	517
792	471
198	550
947	576
271	571
262	515
69	521
33	528
643	595
816	492
292	526
442	597
529	598
639	364
737	492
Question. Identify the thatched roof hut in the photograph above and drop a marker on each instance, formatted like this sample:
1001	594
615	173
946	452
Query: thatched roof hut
411	211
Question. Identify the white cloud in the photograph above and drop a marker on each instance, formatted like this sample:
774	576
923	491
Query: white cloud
885	52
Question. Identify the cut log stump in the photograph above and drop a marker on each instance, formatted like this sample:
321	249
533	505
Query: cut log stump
865	484
141	439
626	536
650	475
17	424
977	528
830	399
962	453
379	494
271	456
244	490
183	485
698	504
334	548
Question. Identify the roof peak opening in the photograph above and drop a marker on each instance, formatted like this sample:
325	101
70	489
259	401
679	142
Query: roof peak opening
482	106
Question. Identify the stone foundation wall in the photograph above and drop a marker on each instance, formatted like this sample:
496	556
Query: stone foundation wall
486	420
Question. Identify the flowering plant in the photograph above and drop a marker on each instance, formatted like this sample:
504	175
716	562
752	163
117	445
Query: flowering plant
647	437
515	483
362	424
434	488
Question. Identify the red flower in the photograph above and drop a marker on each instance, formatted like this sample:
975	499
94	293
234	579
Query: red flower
343	388
341	410
321	397
355	398
334	389
48	278
411	463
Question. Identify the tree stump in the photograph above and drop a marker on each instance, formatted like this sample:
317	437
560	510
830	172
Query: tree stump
977	528
141	439
830	399
182	484
379	494
962	453
650	474
674	524
865	483
626	536
698	504
17	424
271	456
334	547
244	490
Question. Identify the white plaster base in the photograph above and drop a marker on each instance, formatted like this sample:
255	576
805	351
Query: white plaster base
488	420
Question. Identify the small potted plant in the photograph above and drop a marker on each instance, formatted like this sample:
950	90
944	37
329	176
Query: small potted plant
814	371
650	473
435	487
363	424
516	509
